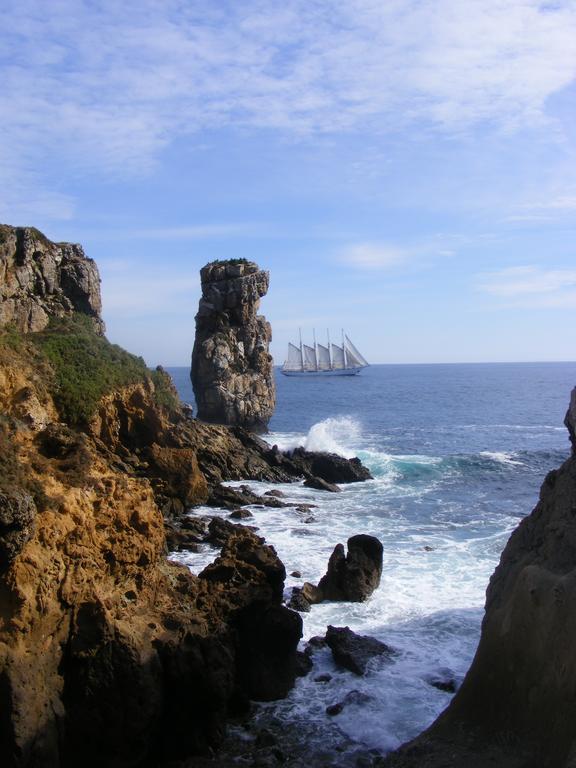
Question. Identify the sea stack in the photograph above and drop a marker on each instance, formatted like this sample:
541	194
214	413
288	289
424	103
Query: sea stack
40	280
232	372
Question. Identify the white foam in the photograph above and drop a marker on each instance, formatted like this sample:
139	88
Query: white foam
502	458
429	604
341	435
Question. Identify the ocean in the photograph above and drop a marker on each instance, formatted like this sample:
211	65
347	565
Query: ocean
458	454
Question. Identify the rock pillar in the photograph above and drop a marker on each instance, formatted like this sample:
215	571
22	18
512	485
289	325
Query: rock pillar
232	373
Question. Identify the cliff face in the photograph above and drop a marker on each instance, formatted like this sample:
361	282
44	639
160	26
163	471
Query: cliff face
517	705
109	653
40	279
232	372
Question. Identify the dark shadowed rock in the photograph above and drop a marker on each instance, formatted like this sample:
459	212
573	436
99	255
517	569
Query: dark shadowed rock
329	466
353	651
352	698
304	664
231	498
17	517
355	576
42	279
570	420
321	485
448	685
298	602
241	514
267	658
232	373
220	530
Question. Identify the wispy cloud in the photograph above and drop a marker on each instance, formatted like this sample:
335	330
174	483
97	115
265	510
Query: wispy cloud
545	210
373	255
106	86
531	286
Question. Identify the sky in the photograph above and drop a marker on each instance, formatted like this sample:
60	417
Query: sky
405	169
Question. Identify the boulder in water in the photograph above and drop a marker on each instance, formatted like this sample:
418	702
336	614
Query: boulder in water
329	466
352	577
353	651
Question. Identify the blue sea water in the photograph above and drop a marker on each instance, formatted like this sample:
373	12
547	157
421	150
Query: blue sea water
458	453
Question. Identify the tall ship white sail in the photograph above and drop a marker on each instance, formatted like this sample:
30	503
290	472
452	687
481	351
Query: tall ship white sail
324	360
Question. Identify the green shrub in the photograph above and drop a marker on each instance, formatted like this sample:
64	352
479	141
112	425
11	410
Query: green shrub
11	338
164	393
86	366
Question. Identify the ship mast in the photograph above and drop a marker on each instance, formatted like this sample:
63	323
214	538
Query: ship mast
301	351
330	350
315	348
344	350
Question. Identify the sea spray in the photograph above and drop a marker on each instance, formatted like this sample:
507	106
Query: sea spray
453	476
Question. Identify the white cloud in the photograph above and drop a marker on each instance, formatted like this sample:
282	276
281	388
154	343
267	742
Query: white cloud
106	86
373	255
531	286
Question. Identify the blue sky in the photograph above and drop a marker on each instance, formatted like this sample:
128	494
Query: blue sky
404	168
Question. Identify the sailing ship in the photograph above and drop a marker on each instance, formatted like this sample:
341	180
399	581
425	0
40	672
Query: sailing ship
321	360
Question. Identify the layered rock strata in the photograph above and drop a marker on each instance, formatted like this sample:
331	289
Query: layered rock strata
232	373
40	279
516	707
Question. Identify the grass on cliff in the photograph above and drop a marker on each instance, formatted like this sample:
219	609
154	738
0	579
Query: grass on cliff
87	366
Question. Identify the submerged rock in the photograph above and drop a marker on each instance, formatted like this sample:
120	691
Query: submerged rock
232	373
353	651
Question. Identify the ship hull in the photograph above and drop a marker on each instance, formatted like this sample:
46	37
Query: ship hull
337	372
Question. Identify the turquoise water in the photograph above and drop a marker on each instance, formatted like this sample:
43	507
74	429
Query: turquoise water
458	453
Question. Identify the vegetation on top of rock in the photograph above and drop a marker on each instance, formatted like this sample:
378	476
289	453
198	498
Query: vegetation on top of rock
227	262
87	366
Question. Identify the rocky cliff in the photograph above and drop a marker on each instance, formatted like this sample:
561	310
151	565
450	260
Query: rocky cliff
517	705
232	373
40	279
111	654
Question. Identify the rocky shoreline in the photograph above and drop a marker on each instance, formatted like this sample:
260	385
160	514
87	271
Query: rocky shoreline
111	654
